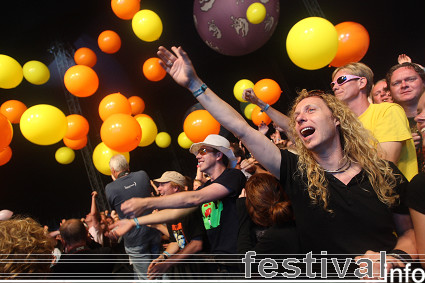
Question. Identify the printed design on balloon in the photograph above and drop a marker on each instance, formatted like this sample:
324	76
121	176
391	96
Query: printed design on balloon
240	25
213	28
206	4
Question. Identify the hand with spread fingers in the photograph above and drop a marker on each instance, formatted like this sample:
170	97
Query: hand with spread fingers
179	66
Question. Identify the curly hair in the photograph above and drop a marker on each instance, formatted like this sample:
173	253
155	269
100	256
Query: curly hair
25	247
266	201
358	145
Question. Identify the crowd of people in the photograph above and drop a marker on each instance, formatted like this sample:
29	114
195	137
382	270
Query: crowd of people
341	174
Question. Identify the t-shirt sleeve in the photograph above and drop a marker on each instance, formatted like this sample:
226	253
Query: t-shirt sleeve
416	193
392	125
234	180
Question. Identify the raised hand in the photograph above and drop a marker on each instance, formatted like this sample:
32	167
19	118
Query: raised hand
120	228
179	66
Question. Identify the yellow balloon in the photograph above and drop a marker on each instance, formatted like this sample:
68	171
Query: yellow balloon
11	73
101	156
184	141
147	25
256	13
43	124
149	130
163	140
248	111
64	155
240	86
36	72
312	43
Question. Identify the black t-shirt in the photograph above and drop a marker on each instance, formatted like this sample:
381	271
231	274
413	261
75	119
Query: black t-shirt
416	193
186	228
220	216
135	184
359	222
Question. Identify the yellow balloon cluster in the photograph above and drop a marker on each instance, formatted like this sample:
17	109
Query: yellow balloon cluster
11	73
240	86
184	141
43	124
312	43
163	140
147	25
36	72
64	155
149	130
101	156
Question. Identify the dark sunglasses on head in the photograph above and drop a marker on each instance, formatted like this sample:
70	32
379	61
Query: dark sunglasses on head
343	79
203	151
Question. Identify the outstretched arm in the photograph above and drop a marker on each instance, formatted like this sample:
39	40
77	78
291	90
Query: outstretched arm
180	68
277	117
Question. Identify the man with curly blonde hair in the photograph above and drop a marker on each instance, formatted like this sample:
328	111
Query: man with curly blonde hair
345	198
25	249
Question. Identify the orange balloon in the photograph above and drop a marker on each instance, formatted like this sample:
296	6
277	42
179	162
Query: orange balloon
5	155
125	9
6	132
258	116
75	144
199	124
112	104
85	56
81	81
121	132
109	41
137	105
13	110
152	70
267	90
353	43
78	127
143	115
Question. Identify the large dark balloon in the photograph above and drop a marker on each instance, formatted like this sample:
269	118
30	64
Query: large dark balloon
224	27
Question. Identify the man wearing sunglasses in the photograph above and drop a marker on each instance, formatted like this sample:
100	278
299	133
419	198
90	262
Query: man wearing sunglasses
388	123
216	201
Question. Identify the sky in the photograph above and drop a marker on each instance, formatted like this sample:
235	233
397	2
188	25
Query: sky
35	184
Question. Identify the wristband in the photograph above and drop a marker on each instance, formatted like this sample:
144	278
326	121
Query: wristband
265	108
137	222
200	91
400	255
166	254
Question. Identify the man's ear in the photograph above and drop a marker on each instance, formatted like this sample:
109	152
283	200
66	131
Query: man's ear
363	82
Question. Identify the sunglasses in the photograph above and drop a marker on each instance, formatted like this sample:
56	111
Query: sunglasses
343	79
203	151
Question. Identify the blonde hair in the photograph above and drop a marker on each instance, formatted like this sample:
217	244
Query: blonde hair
358	145
25	247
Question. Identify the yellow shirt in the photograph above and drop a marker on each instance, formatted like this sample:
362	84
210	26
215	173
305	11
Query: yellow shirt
388	122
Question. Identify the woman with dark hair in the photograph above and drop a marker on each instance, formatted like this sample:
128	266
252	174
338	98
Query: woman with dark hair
267	225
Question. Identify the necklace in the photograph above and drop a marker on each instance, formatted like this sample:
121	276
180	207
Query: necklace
341	169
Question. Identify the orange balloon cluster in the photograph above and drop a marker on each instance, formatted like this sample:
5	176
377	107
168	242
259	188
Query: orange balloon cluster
125	9
109	41
5	155
13	110
81	80
121	132
112	104
199	124
85	56
78	127
6	132
152	70
257	116
353	43
137	105
268	91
